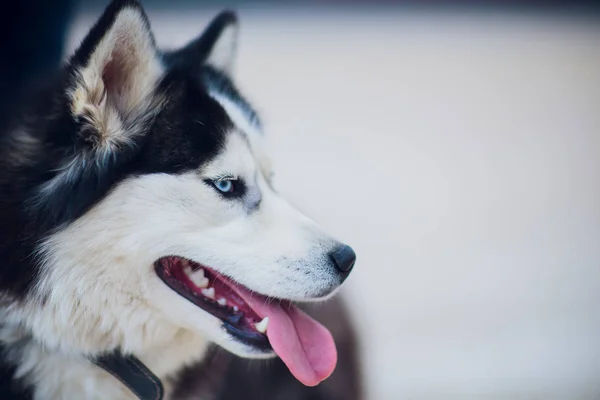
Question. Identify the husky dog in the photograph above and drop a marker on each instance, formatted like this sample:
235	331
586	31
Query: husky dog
139	224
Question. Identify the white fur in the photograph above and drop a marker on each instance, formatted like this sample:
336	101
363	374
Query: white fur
222	55
62	375
99	290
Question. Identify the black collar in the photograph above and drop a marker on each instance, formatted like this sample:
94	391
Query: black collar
133	374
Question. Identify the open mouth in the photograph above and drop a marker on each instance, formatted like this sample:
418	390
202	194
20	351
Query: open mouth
217	295
266	324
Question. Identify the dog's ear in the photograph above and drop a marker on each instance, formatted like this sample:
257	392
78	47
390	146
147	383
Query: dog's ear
113	75
110	102
216	46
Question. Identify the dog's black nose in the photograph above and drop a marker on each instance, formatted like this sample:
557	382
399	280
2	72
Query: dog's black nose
343	258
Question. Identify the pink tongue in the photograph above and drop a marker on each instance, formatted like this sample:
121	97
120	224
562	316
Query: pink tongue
304	345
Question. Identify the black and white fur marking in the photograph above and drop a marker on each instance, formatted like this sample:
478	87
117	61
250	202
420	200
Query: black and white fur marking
103	172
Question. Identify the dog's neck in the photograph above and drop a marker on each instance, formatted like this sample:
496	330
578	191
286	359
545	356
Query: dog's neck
50	373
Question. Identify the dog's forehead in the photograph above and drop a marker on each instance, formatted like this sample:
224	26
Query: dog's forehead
236	157
241	154
244	118
239	110
204	109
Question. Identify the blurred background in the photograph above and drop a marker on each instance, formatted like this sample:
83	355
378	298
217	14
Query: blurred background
456	147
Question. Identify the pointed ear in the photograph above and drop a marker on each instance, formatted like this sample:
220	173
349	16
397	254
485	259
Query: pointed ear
113	73
216	46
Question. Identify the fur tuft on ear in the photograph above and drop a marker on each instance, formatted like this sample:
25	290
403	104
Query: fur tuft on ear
216	46
112	101
114	73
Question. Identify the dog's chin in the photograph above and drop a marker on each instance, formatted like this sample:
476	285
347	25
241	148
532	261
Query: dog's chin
238	310
233	345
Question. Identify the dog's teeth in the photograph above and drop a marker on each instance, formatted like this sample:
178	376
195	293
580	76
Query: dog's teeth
235	308
198	278
187	266
222	301
203	283
210	293
262	325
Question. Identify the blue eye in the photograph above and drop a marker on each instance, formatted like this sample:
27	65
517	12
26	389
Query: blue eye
224	185
229	186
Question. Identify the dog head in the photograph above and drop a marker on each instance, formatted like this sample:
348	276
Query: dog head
159	211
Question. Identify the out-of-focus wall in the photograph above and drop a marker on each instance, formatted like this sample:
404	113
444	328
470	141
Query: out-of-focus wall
459	153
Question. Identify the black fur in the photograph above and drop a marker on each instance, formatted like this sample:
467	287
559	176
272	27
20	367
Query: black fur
11	389
187	131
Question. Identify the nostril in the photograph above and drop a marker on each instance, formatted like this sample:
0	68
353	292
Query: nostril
343	258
